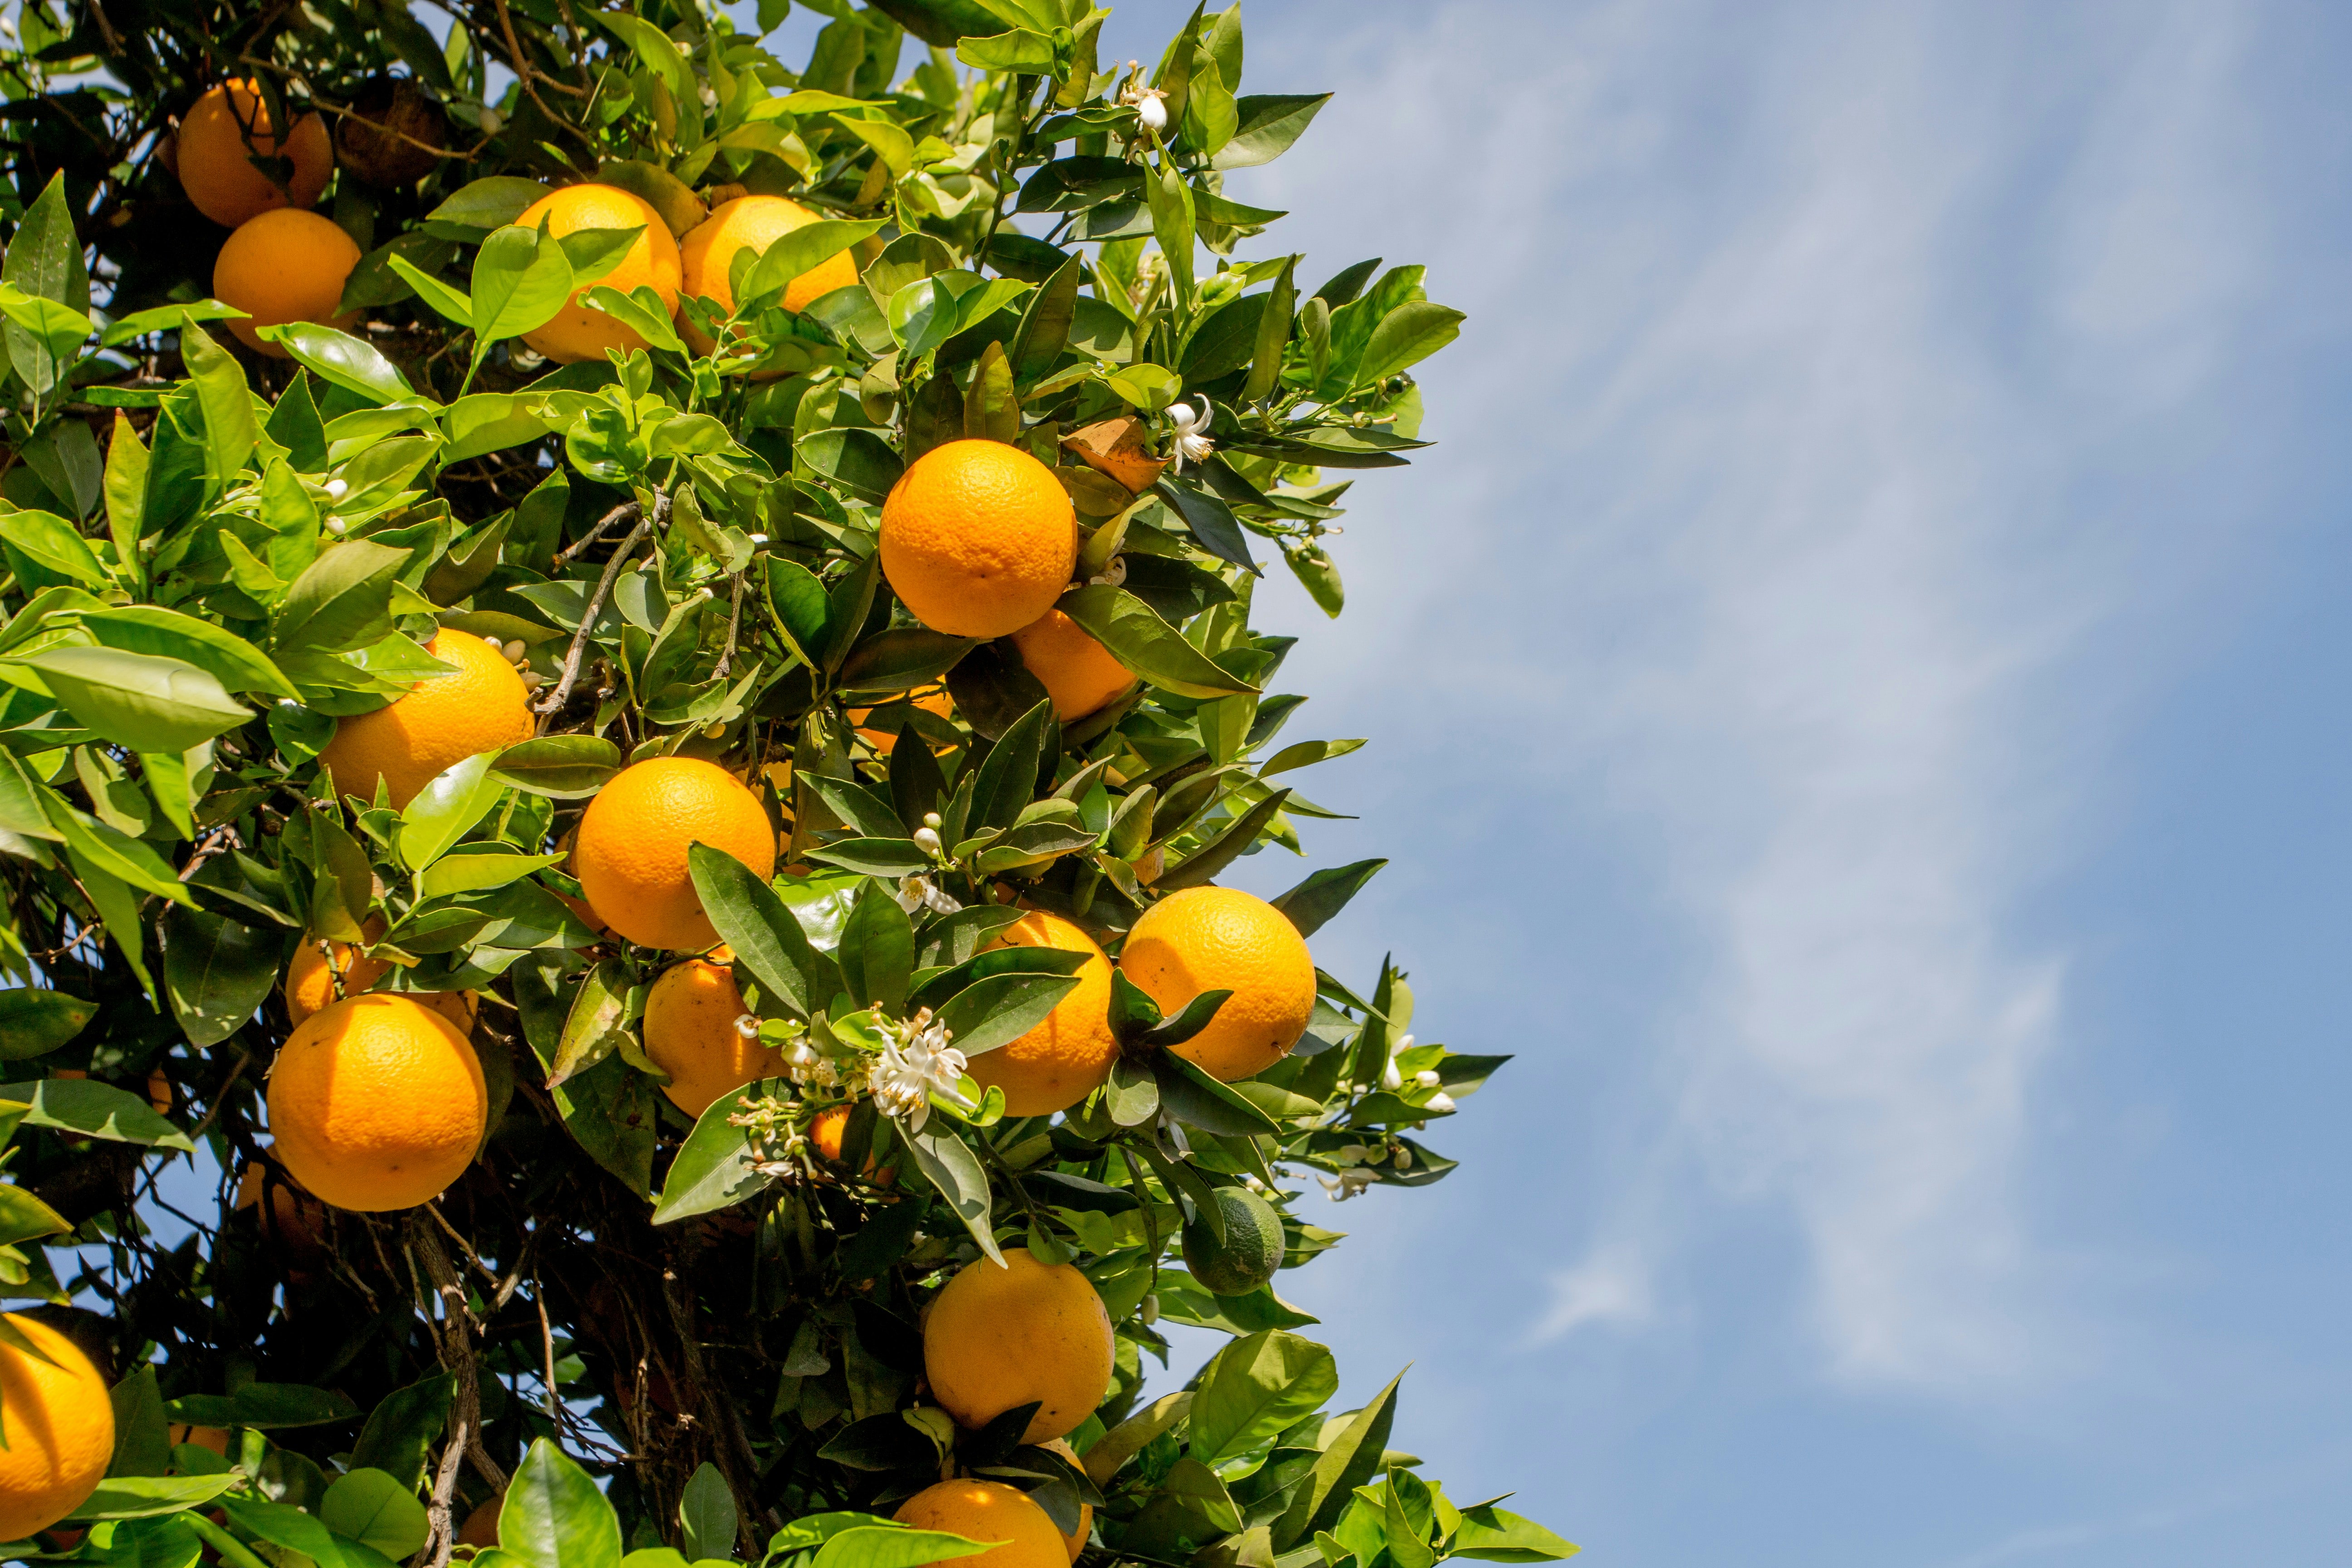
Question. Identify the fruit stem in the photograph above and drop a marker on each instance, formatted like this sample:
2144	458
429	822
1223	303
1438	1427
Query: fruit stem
556	699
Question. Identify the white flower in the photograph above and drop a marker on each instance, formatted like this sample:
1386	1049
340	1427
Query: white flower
1350	1153
1114	575
927	839
1191	442
1151	106
808	1066
1345	1184
1427	1077
918	891
748	1026
337	490
1441	1102
335	525
914	1067
1391	1078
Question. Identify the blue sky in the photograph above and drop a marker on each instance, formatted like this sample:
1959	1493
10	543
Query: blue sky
1857	704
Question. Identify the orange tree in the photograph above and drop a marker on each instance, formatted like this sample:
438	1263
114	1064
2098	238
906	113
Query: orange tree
627	674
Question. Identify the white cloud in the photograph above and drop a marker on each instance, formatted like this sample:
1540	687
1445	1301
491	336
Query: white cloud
1744	431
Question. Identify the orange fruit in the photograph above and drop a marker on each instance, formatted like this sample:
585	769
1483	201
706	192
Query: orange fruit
60	1430
1078	673
310	976
978	539
1222	939
825	1130
937	702
1000	1337
1076	1540
215	166
284	266
578	332
1067	1056
989	1510
707	253
377	1103
480	1529
690	1034
633	842
211	1437
484	707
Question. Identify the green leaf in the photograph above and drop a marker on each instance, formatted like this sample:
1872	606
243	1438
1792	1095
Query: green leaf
459	797
595	1026
922	316
1265	127
947	1163
706	1514
878	1545
878	950
125	489
230	430
1500	1536
52	541
1046	323
142	701
33	1023
565	767
142	1439
554	1516
998	1009
1018	50
374	1509
402	1429
24	1217
149	1497
462	873
659	55
522	279
1405	336
1225	848
640	311
802	250
44	262
1349	1459
342	600
900	658
1325	893
282	1524
217	971
341	360
490	422
714	1165
763	935
450	302
1209	521
266	1404
1273	334
1258	1386
487	203
233	660
1138	639
1171	200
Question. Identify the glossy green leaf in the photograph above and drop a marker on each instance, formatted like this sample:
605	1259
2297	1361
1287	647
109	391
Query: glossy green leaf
1138	639
714	1167
217	971
34	1022
446	808
376	1510
145	702
341	360
955	1173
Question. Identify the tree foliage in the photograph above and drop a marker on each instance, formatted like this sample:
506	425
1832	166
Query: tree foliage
674	1339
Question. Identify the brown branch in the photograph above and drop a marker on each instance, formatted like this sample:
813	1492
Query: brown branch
564	557
219	838
734	620
571	675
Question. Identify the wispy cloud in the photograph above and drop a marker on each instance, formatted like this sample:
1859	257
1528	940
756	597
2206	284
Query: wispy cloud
1749	434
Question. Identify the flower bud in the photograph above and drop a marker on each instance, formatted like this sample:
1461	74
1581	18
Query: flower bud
1427	1077
489	120
515	650
1153	112
1441	1102
337	490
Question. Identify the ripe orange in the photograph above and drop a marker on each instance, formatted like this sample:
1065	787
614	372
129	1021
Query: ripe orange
999	1337
578	332
690	1034
213	163
484	707
937	702
1067	1056
1222	939
978	539
1078	673
60	1430
377	1103
708	252
480	1529
284	266
989	1510
633	842
1076	1540
825	1131
310	975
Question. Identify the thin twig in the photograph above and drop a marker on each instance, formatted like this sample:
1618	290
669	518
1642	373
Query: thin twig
219	838
562	693
734	619
546	1342
563	557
